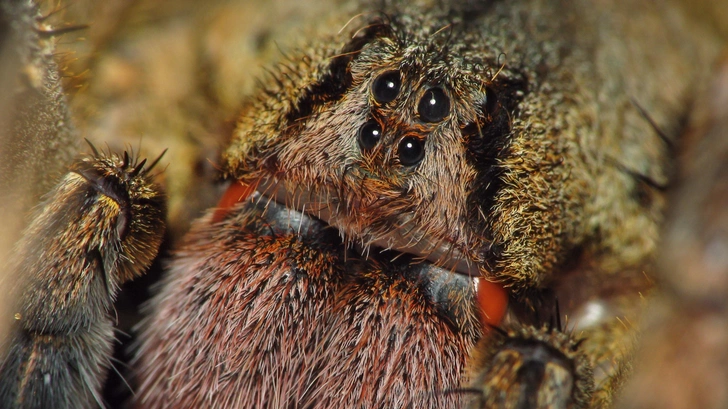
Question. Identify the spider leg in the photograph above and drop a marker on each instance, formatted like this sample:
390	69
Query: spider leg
98	228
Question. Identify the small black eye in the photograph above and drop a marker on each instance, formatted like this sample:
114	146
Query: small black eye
369	134
386	86
411	151
434	105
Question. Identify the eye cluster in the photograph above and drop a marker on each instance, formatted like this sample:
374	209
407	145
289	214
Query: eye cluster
433	106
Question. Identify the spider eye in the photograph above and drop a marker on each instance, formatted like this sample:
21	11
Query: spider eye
386	86
369	134
411	151
434	105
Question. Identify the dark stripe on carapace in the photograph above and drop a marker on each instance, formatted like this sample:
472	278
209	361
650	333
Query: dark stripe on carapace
337	79
486	141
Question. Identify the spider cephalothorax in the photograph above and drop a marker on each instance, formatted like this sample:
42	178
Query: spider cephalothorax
373	158
410	136
360	145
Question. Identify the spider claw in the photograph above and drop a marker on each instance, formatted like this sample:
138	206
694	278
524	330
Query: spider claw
138	169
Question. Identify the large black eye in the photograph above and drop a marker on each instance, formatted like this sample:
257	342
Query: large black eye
369	134
434	105
386	86
411	151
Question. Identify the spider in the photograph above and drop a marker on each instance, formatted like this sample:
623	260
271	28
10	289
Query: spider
415	198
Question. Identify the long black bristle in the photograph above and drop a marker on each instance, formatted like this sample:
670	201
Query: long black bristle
558	314
138	168
59	31
654	125
156	161
639	176
93	148
499	330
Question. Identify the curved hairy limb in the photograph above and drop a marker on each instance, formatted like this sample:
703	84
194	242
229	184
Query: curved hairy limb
98	228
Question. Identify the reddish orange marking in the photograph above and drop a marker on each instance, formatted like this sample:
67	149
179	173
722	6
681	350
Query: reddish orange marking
493	301
236	193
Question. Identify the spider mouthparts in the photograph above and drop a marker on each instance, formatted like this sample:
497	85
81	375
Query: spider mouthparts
235	193
492	298
444	253
493	301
